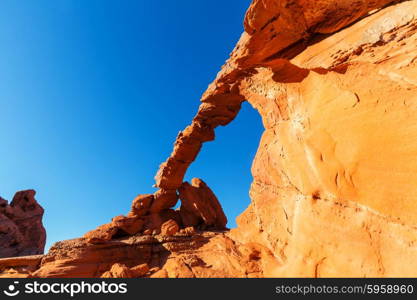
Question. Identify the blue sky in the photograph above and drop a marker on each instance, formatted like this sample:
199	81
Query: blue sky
93	94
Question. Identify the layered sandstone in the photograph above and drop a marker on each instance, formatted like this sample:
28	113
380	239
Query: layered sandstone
21	229
334	190
19	267
336	163
186	254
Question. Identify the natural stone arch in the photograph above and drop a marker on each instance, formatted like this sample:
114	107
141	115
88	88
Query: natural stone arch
284	30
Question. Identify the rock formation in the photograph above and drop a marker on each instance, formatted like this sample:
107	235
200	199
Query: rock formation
21	229
186	254
19	267
151	214
333	192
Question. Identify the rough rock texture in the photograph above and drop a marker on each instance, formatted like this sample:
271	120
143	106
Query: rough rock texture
199	206
19	267
334	190
169	228
202	254
21	229
123	271
152	214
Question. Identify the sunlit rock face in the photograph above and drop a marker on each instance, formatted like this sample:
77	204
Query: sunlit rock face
335	186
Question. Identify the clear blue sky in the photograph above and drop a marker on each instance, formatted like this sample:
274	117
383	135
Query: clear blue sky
93	94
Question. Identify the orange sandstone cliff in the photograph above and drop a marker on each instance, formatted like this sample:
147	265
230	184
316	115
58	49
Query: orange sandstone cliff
335	176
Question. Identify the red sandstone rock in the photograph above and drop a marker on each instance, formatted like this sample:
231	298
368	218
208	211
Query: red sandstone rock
139	270
200	206
189	230
128	225
22	232
160	274
119	226
19	267
141	204
189	218
122	271
164	199
199	132
101	234
170	227
154	221
171	174
335	166
204	254
334	160
147	232
272	28
118	271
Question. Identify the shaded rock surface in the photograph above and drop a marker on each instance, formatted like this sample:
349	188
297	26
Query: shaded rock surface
169	228
334	190
21	229
199	205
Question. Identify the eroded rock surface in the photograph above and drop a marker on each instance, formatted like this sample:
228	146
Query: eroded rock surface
21	229
200	254
334	190
19	267
200	209
199	206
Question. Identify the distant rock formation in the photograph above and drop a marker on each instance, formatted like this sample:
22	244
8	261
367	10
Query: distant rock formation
335	176
21	229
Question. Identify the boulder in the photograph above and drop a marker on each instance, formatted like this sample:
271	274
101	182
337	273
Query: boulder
170	227
199	205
